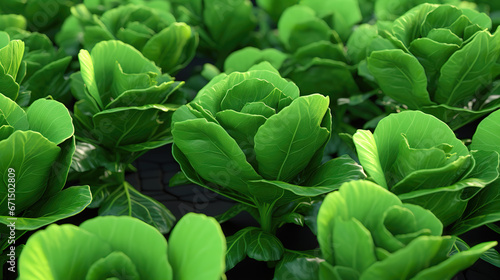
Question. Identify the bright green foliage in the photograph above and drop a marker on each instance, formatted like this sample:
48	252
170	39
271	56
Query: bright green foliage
392	9
99	7
222	24
125	248
44	16
484	208
275	8
366	238
124	100
250	137
171	45
42	70
417	157
439	59
124	109
37	146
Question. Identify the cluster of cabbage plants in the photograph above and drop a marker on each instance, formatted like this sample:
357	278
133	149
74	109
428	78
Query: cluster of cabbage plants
374	125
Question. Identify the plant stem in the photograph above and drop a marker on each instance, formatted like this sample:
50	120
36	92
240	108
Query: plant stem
266	217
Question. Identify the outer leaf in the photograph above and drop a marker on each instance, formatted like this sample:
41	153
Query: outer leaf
368	155
457	262
131	125
44	259
11	57
197	248
400	76
468	70
298	266
346	204
263	246
172	48
64	204
285	144
129	202
31	156
151	263
245	58
487	136
336	171
51	119
14	114
226	165
422	251
359	254
236	248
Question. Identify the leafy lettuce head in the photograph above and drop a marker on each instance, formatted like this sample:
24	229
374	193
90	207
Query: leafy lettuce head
110	247
439	59
37	146
251	135
151	30
366	232
124	99
418	157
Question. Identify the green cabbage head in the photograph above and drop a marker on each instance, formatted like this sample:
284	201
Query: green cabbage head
439	59
365	232
123	247
252	137
37	146
418	157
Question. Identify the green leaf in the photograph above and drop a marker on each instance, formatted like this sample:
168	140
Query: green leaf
172	48
31	156
263	246
251	90
422	251
11	57
151	263
468	70
432	56
89	78
236	248
132	125
316	77
448	268
285	143
228	22
368	154
242	60
336	171
353	200
64	204
15	115
486	137
214	154
482	209
127	201
50	80
441	17
297	266
104	57
210	96
400	76
353	243
44	259
157	94
197	248
116	264
292	16
51	119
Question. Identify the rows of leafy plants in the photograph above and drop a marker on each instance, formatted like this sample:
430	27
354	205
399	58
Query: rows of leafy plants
343	116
